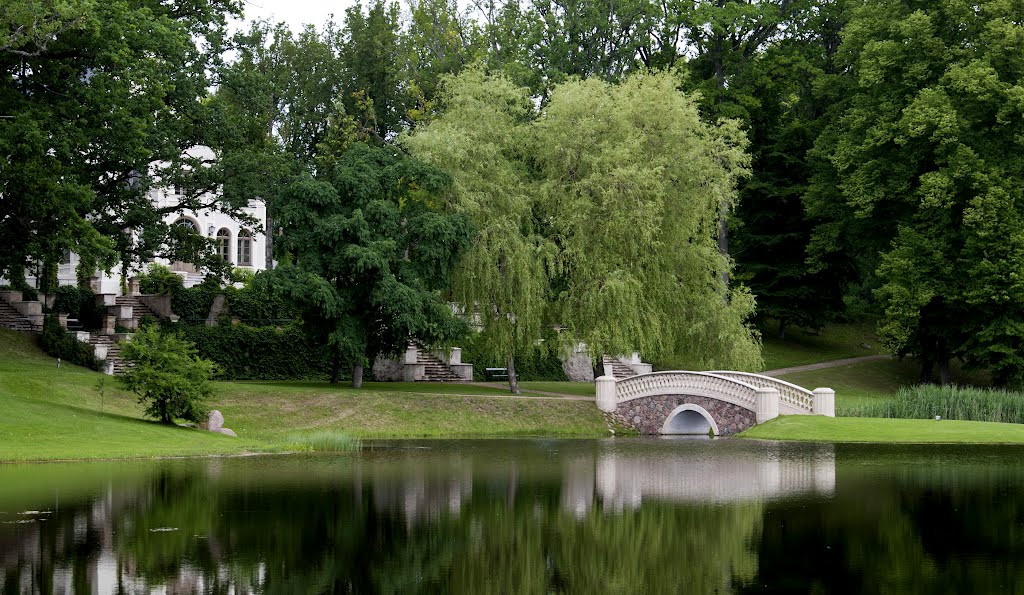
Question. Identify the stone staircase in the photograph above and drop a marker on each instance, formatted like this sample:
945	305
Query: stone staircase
193	279
110	344
618	368
434	369
14	320
139	310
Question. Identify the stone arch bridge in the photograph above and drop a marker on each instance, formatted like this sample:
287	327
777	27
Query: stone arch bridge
722	403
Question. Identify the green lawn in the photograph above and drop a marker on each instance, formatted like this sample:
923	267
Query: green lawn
856	383
51	413
863	429
859	383
835	341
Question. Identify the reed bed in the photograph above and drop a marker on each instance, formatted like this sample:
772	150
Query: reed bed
947	402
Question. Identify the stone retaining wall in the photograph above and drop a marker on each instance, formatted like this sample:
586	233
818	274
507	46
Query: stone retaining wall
648	414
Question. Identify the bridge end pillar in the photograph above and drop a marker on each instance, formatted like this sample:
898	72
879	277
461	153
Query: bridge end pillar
824	402
606	400
766	402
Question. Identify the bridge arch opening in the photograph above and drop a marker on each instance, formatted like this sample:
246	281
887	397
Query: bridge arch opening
689	419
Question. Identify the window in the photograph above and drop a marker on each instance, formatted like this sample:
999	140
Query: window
244	249
188	223
224	244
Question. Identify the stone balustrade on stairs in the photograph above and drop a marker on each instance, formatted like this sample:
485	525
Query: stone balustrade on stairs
420	365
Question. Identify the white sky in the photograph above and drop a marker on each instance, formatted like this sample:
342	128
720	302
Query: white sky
296	12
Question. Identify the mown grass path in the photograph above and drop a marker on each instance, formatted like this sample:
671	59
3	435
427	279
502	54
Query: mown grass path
825	365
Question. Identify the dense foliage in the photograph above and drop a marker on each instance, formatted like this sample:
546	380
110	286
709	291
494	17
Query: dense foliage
366	251
167	374
59	342
79	303
650	175
600	212
94	94
244	352
542	361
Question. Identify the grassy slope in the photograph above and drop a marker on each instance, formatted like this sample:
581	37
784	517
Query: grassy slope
800	347
55	414
51	413
270	411
863	429
857	383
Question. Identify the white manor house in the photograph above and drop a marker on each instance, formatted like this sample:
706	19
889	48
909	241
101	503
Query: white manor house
238	243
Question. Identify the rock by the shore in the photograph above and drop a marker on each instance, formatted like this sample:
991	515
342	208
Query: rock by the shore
228	432
214	422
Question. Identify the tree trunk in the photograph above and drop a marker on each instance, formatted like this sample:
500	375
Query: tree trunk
513	382
599	366
357	376
723	242
944	376
926	369
782	328
269	243
335	369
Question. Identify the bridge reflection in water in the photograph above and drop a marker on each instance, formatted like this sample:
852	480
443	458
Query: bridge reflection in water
621	481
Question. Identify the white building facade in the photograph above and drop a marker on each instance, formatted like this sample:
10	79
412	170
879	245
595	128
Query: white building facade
240	244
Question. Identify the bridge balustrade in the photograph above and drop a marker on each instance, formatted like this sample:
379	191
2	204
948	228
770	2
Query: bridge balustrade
795	397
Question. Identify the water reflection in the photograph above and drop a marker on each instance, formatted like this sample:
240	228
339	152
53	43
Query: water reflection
519	516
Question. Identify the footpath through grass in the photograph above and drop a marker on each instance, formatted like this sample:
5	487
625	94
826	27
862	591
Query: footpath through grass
52	414
801	346
810	428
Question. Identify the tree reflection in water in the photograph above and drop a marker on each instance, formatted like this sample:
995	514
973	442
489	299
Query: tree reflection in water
517	517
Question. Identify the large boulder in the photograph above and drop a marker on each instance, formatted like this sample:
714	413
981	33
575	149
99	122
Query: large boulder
214	422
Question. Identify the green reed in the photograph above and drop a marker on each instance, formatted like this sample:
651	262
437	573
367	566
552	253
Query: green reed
948	402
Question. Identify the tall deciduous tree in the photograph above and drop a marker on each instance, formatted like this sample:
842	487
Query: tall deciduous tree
92	94
365	253
770	229
927	155
633	186
617	189
374	67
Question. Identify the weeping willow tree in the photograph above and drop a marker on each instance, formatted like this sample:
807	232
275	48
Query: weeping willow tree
597	211
633	184
482	138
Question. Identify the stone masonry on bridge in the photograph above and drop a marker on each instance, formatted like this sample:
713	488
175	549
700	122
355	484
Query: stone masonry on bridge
648	415
721	403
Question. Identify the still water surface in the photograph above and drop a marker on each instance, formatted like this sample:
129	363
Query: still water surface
525	516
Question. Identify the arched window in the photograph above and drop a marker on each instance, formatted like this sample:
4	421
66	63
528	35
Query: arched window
244	249
224	244
188	222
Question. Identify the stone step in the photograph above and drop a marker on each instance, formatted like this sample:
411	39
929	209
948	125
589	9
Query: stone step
10	318
619	369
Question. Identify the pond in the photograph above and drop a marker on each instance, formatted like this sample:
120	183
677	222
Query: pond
524	516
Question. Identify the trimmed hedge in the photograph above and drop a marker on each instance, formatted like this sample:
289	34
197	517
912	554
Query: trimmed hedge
258	300
244	352
59	342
